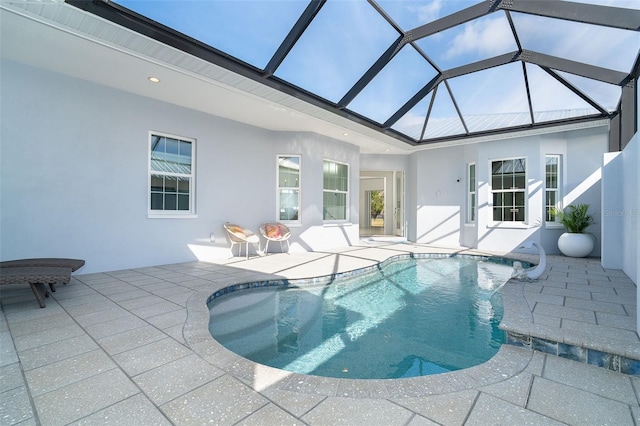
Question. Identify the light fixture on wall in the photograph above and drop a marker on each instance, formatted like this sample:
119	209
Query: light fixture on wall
154	79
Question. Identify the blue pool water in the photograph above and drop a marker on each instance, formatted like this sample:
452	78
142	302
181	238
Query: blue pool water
413	317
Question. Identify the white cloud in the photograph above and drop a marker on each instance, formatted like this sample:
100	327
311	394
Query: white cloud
485	37
430	11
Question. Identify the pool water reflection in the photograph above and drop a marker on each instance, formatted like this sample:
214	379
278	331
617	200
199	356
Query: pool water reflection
412	317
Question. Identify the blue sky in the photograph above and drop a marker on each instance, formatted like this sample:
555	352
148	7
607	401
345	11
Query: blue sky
347	36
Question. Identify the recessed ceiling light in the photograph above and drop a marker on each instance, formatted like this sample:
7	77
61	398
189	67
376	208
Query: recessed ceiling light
154	79
345	134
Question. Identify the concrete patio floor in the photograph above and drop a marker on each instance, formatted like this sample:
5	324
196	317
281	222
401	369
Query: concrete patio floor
132	347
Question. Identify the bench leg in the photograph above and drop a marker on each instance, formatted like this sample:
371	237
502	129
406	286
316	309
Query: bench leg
38	290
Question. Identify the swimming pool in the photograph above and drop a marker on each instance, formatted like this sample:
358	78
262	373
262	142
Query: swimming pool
409	317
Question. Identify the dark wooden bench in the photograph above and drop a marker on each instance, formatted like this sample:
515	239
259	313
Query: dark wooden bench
36	277
58	262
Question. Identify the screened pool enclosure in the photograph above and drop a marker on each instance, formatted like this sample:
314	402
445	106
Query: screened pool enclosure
419	71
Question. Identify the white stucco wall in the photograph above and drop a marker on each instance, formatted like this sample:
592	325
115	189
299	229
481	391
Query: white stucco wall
74	177
612	223
621	209
621	212
74	173
439	183
630	207
441	199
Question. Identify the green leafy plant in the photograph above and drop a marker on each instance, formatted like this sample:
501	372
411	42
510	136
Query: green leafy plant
575	218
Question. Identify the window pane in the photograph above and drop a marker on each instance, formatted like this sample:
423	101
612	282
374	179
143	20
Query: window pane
497	214
473	207
496	182
184	156
551	200
472	178
336	176
172	147
289	204
183	202
552	172
519	181
156	201
157	183
183	185
497	199
170	202
170	184
507	199
335	206
289	172
519	214
157	148
519	199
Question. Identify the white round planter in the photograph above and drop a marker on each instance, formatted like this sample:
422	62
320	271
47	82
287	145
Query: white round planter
575	245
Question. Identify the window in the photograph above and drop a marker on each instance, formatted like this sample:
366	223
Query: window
336	190
171	175
508	186
471	193
552	186
289	188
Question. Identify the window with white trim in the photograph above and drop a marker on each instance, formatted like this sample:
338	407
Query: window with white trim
335	185
171	175
289	188
471	193
552	186
508	189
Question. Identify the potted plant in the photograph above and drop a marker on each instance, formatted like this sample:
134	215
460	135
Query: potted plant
576	242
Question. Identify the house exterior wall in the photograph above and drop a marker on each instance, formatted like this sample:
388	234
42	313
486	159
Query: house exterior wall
74	179
74	176
441	189
620	213
621	209
439	196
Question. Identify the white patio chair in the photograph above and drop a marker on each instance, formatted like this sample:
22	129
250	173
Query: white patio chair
275	231
239	235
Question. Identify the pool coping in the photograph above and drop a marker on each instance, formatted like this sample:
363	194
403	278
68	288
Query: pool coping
509	361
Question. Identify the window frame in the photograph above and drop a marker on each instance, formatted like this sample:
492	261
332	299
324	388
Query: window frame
558	190
172	214
472	197
336	191
297	221
524	191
